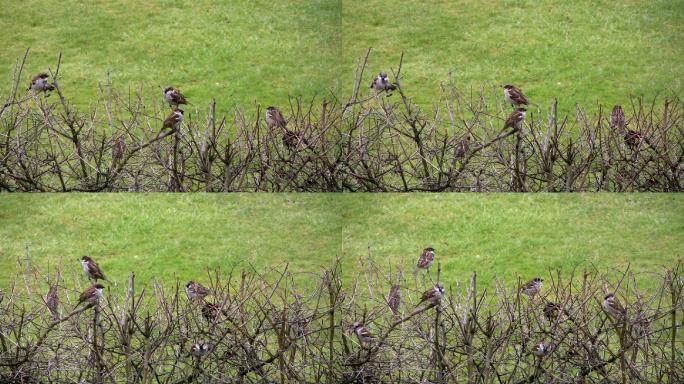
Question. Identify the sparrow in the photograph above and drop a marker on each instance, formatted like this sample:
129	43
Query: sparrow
514	95
463	146
91	296
613	306
426	259
195	290
541	349
292	140
381	83
633	139
198	349
617	119
394	299
91	269
433	295
515	119
362	333
532	287
274	118
553	310
118	149
40	83
211	311
174	97
174	120
52	301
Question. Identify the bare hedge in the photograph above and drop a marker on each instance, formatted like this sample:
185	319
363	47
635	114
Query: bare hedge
265	328
365	142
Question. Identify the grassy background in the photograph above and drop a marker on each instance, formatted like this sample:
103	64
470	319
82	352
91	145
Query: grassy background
498	235
243	51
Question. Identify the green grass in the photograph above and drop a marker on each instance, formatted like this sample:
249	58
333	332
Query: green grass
244	52
498	235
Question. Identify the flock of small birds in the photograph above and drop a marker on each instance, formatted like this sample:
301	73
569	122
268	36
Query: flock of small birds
381	83
433	297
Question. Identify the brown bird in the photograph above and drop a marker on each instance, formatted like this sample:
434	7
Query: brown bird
195	290
174	97
613	307
293	140
541	349
532	287
427	257
40	83
617	119
274	118
381	83
91	296
634	139
394	299
174	120
515	119
514	95
552	311
463	146
211	311
118	150
362	333
91	268
433	295
52	301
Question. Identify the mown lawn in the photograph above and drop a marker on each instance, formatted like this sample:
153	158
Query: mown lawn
165	236
244	52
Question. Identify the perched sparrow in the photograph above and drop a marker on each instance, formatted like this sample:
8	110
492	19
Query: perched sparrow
541	349
463	146
292	140
274	118
52	301
514	95
613	306
199	349
118	149
211	311
532	287
362	333
394	299
174	97
195	290
633	139
617	119
91	296
433	295
381	83
426	259
91	269
174	120
40	83
515	119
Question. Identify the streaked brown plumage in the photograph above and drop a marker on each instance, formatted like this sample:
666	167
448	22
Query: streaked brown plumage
91	268
274	118
91	296
514	95
40	83
433	295
427	257
174	120
362	333
394	299
515	119
174	97
532	287
118	149
617	119
52	301
463	146
211	311
195	290
613	307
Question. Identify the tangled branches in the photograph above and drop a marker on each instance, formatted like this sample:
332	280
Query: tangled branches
257	328
371	142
